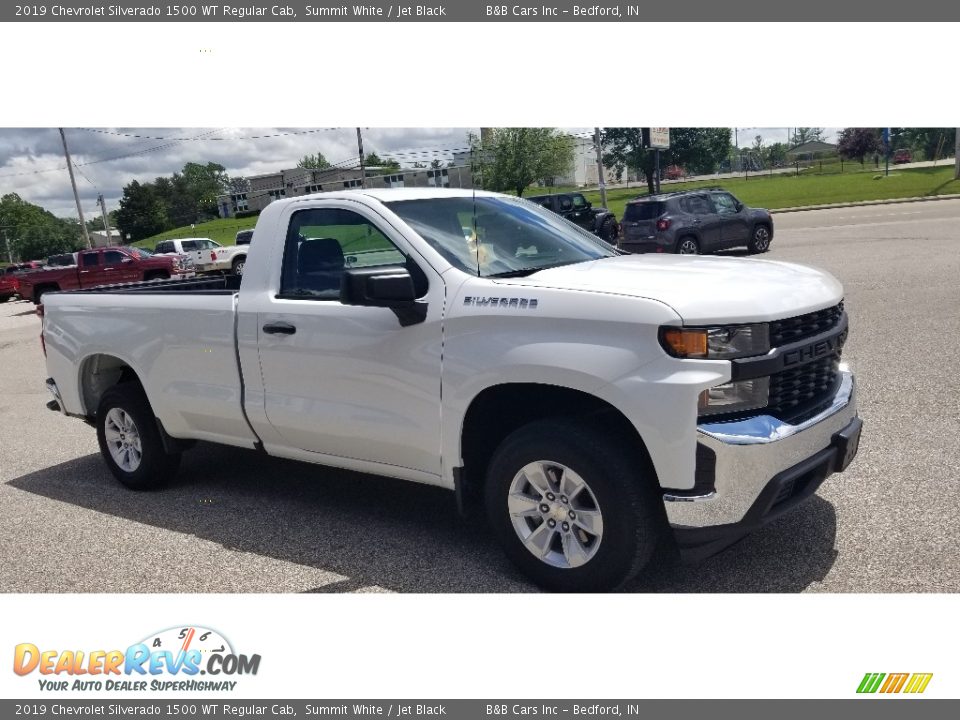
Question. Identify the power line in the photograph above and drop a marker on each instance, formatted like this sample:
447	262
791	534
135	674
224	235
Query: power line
183	139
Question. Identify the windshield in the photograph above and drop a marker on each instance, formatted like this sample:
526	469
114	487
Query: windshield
499	236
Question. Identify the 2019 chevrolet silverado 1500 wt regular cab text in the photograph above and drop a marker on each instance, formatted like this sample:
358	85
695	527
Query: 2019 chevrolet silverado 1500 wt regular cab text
595	402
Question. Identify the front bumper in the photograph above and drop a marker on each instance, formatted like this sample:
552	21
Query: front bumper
755	469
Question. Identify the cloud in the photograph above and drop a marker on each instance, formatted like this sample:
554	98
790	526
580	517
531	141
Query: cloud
32	163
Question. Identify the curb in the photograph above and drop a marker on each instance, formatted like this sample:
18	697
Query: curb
866	203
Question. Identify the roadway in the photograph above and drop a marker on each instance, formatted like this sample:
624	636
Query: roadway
237	522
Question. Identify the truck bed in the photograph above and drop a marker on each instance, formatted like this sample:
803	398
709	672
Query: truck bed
223	285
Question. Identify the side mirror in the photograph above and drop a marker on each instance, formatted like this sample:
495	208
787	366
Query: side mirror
739	206
127	260
588	205
378	287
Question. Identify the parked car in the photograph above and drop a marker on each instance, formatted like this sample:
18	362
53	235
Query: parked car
598	404
103	266
674	172
578	210
244	237
902	156
206	255
690	222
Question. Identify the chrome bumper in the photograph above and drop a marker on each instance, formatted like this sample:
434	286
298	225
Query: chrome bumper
751	452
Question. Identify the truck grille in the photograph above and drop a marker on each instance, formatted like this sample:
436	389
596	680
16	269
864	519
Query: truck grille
783	332
802	392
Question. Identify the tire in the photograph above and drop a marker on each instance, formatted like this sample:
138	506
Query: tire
608	230
126	427
238	263
39	292
156	276
760	239
618	499
687	246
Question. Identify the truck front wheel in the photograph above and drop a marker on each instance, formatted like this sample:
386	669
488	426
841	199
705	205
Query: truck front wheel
130	441
571	508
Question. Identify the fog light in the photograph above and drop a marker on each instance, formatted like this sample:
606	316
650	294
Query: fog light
734	397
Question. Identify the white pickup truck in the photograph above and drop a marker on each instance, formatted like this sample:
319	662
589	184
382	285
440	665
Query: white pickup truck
206	255
596	403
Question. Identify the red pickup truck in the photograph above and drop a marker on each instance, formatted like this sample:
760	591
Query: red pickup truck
104	266
10	278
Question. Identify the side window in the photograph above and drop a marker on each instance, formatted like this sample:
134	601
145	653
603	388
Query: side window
188	245
579	202
725	204
112	257
90	259
566	203
322	243
697	205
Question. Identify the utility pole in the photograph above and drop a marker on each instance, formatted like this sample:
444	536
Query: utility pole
7	241
956	158
600	175
363	169
106	220
73	182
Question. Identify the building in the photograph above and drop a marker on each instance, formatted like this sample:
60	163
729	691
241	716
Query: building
264	189
99	238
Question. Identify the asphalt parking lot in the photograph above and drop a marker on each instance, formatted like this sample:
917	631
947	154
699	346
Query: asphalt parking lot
238	522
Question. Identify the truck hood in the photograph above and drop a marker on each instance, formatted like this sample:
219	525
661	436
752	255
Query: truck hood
702	289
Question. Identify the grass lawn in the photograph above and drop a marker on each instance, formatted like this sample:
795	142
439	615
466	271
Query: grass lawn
781	191
223	230
766	191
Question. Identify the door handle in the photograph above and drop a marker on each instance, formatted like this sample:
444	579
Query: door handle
279	328
696	222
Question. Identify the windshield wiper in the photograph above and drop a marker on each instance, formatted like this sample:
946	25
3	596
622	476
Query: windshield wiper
524	272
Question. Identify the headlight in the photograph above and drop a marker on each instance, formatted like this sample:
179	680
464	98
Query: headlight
716	343
734	397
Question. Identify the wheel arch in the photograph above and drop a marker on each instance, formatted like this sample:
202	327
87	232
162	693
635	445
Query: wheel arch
498	410
98	373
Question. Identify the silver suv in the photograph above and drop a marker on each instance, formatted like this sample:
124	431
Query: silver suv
690	222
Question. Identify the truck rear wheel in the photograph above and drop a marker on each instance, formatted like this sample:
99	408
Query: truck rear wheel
238	263
130	440
571	508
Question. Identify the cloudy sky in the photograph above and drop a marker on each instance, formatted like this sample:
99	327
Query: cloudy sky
33	166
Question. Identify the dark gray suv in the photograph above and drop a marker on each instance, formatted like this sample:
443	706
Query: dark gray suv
690	222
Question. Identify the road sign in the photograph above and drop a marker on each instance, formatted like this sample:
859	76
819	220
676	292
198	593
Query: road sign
660	138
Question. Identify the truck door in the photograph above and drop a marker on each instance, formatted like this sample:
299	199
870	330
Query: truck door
119	267
580	212
90	271
348	381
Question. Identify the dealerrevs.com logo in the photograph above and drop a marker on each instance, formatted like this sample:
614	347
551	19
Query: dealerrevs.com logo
173	659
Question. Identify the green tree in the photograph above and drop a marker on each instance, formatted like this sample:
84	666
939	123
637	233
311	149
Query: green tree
313	162
514	158
383	167
931	143
435	164
142	211
698	150
204	183
35	233
805	135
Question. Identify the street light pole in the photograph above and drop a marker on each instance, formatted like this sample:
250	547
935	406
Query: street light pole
363	169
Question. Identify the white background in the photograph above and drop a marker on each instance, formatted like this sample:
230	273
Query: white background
564	75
